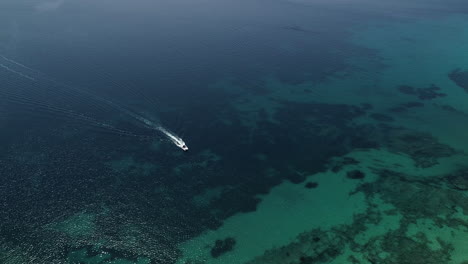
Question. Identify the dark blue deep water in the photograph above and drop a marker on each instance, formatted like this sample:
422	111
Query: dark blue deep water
318	131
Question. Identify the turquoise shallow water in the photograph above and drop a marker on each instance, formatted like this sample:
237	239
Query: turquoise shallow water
319	132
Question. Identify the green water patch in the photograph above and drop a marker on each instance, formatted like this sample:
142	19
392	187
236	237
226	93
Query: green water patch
433	226
410	219
288	210
423	148
339	244
378	211
438	236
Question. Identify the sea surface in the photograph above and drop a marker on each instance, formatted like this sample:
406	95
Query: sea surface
319	131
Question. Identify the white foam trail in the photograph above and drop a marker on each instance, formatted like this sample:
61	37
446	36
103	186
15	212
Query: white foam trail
176	140
17	72
179	142
17	63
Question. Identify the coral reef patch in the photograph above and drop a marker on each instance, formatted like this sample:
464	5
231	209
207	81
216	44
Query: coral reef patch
424	148
460	77
311	185
414	201
381	117
427	93
404	107
337	163
222	246
355	175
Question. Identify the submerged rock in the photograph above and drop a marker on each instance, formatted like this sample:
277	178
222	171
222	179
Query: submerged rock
337	164
427	93
296	178
406	89
398	109
314	246
381	117
355	175
418	200
423	148
222	246
366	106
460	78
405	107
412	104
459	180
311	185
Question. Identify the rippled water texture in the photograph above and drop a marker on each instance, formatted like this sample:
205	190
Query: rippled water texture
318	131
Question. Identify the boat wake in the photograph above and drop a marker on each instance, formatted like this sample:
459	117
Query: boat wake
78	94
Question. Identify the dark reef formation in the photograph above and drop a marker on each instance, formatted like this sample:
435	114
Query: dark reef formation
311	247
458	180
311	185
427	93
381	117
337	164
222	246
366	106
412	104
417	197
404	107
355	175
460	78
296	177
414	198
422	147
